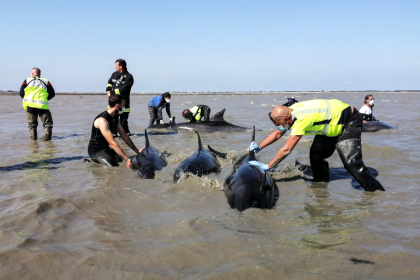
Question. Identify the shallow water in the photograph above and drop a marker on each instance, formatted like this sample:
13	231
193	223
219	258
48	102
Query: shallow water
63	218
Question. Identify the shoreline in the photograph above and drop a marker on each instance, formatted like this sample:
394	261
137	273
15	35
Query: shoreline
9	93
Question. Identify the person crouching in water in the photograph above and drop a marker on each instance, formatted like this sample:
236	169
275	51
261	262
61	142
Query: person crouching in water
336	126
156	105
102	146
196	113
367	110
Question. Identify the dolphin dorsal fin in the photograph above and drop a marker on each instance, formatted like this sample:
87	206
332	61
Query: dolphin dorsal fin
200	145
219	115
147	138
251	154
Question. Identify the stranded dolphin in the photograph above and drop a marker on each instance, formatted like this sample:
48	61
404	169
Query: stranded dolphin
149	160
200	163
217	123
373	126
247	186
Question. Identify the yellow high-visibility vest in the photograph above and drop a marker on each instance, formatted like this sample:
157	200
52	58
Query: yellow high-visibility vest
36	95
318	117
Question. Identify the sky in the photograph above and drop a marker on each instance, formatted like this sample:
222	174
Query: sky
212	45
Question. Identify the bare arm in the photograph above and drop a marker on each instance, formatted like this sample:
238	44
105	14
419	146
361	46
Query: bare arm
285	150
127	139
102	124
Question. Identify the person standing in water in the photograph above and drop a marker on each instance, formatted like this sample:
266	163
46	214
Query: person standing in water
120	83
36	92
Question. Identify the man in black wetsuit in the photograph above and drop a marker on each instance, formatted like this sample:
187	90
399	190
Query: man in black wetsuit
102	147
120	83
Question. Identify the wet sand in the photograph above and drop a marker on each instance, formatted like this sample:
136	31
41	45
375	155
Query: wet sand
63	218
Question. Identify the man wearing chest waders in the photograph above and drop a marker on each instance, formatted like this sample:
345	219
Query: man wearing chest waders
335	124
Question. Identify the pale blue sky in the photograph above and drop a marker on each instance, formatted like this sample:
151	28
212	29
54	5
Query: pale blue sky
213	45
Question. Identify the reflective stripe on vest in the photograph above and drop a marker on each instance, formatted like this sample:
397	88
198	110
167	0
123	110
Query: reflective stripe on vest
36	95
196	111
318	117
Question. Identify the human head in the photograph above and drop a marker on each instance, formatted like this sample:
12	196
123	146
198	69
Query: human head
36	72
281	116
187	114
120	65
114	100
166	95
369	100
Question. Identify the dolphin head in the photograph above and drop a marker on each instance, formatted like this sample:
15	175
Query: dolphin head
246	196
146	172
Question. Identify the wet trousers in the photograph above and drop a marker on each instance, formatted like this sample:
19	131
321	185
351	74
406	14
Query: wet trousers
47	123
123	118
349	148
106	157
153	115
205	112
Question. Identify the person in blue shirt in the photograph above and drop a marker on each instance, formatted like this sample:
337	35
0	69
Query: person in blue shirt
156	105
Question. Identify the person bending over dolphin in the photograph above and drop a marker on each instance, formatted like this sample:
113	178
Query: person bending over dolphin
335	124
196	113
102	147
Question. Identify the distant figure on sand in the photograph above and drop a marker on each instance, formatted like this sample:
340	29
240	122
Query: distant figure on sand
156	105
336	126
196	113
367	110
102	146
36	92
120	83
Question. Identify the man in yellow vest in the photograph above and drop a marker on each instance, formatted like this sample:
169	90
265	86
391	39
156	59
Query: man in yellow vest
196	113
336	126
36	92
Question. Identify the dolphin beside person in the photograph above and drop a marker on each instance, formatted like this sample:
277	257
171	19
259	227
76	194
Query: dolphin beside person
149	160
200	163
247	186
217	123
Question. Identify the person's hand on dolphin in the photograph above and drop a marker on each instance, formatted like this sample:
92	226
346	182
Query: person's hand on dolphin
254	147
161	122
261	166
131	164
171	120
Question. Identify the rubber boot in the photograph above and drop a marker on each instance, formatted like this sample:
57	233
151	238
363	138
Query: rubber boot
350	152
33	133
46	136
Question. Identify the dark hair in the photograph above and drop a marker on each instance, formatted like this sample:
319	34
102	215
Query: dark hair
122	63
187	114
114	99
166	95
37	71
367	97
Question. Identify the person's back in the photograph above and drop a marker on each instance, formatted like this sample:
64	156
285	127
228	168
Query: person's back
36	93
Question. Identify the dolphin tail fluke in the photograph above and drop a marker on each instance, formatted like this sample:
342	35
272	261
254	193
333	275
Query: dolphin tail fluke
147	138
216	153
251	154
219	115
200	145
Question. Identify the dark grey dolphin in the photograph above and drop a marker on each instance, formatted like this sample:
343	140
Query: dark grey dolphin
217	123
374	126
149	160
200	163
247	186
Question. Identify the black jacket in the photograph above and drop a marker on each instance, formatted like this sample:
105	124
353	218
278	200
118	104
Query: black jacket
123	82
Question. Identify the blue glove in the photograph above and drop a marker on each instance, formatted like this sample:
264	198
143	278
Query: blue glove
254	147
261	166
